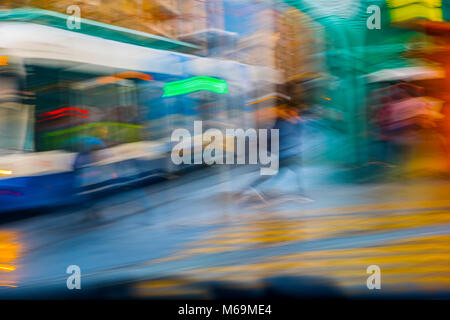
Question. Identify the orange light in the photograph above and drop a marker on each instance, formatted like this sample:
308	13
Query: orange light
257	101
4	61
124	75
5	172
5	267
136	75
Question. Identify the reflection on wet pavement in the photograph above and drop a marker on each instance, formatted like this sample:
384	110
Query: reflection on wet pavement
410	244
9	254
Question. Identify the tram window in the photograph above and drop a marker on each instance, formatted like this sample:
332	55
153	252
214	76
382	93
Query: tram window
157	113
186	113
207	106
15	116
114	109
152	110
15	124
108	112
52	116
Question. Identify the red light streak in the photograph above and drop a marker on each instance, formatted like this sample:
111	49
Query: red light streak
50	113
62	115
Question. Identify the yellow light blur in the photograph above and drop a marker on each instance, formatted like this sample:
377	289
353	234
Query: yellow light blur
4	61
7	268
5	172
401	3
416	11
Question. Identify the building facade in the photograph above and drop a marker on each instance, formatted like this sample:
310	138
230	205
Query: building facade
168	18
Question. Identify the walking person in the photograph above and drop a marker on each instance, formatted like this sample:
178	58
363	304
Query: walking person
85	171
288	123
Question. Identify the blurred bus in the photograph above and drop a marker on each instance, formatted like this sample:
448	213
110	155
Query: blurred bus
81	115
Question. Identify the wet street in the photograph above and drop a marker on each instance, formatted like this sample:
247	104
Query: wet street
165	239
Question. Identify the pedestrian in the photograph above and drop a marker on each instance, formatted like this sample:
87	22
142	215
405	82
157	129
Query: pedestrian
288	123
85	171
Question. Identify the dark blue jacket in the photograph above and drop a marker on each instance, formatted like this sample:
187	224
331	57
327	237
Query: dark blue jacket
289	138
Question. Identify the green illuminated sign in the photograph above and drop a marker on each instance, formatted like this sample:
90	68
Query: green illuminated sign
195	84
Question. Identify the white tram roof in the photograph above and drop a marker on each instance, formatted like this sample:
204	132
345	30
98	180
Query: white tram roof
41	44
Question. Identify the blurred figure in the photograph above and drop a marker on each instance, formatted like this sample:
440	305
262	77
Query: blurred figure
85	172
288	122
402	116
87	144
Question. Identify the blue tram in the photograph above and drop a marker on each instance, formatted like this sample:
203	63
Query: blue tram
80	115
